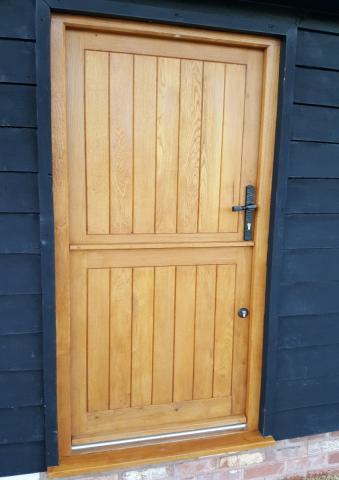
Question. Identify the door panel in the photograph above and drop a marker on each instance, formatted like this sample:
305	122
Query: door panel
156	334
163	135
169	144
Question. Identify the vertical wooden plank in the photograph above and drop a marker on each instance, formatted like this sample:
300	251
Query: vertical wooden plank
233	131
98	338
241	332
120	337
121	141
78	334
223	338
211	145
74	150
251	172
167	144
189	145
164	291
62	232
97	141
142	335
184	333
145	82
204	332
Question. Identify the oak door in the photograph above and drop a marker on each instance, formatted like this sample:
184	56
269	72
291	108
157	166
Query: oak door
163	135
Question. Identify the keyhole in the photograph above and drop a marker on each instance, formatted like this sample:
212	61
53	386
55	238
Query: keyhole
243	312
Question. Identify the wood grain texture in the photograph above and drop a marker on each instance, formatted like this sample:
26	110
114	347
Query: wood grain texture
184	333
189	145
120	337
145	84
97	141
98	338
142	336
167	145
232	145
223	333
211	142
163	342
121	142
162	185
204	332
77	465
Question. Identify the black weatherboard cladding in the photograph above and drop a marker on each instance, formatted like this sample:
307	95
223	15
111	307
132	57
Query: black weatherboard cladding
22	447
307	381
301	381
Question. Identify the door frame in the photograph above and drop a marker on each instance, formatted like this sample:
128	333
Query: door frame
234	19
271	49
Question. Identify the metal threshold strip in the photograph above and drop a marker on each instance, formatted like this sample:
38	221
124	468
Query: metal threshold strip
161	436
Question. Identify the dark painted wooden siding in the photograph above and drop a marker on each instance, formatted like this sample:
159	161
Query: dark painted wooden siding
21	398
307	383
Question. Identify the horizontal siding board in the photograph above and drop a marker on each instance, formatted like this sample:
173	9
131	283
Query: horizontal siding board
309	299
314	123
314	160
20	389
318	50
299	394
240	17
17	61
316	87
17	19
18	150
19	192
20	352
308	330
305	421
311	266
313	196
311	231
307	363
20	314
20	425
31	455
20	274
17	106
19	233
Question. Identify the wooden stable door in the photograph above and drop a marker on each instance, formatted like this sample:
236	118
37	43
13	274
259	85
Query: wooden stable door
163	134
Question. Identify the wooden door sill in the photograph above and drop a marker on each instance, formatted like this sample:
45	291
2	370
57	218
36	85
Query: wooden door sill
78	464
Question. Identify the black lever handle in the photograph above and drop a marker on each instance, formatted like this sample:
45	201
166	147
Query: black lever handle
248	208
241	208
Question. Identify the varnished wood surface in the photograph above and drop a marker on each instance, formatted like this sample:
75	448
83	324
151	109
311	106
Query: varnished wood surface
176	347
95	462
188	164
175	184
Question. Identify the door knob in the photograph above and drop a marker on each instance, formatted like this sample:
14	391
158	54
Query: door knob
243	312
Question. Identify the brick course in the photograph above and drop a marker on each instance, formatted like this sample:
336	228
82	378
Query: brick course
296	459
